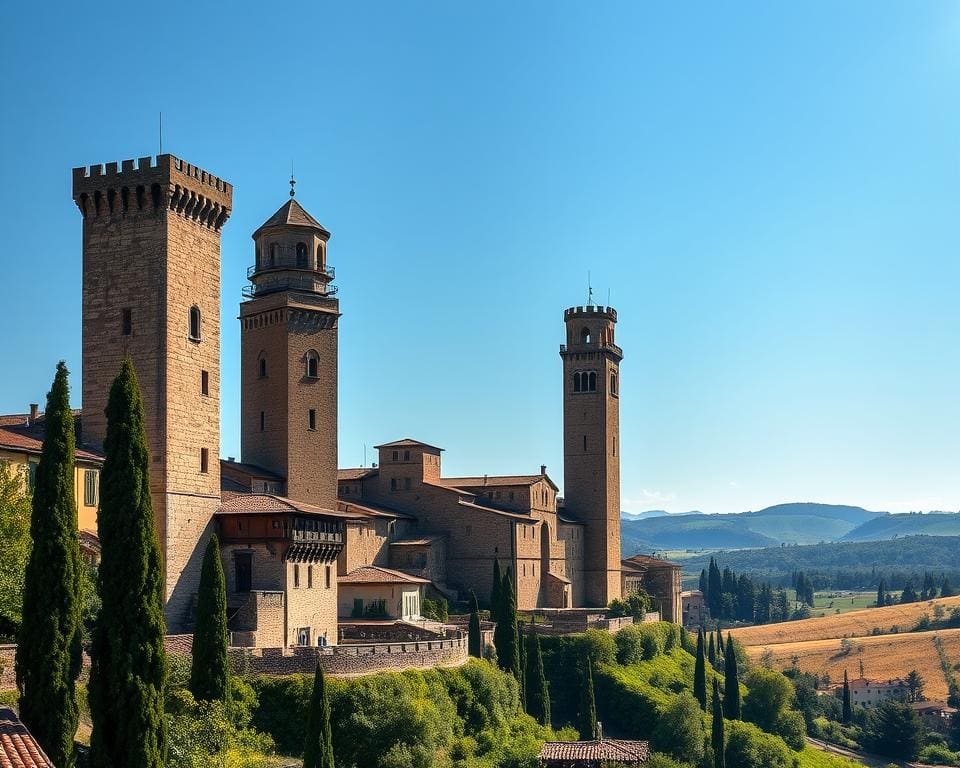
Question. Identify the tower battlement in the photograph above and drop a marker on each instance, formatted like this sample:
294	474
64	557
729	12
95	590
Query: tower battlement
590	310
137	186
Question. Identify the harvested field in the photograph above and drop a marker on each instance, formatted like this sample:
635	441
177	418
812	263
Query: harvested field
852	624
883	656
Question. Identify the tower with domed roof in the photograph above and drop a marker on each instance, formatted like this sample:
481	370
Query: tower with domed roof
288	340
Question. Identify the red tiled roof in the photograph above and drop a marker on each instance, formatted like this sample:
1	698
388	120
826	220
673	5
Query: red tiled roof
480	508
356	473
422	541
261	503
407	442
644	562
374	574
495	481
291	213
369	510
18	749
249	469
17	434
613	750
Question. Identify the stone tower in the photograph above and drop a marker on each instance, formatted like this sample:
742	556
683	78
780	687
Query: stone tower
288	340
591	443
151	290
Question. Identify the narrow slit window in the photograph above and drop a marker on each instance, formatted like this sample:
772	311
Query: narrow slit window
194	323
126	322
204	460
312	419
204	382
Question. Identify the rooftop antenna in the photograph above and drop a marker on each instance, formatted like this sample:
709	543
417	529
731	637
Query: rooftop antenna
293	181
608	297
589	290
161	134
364	455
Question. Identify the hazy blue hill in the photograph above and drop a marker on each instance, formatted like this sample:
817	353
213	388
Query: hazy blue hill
693	531
890	526
855	515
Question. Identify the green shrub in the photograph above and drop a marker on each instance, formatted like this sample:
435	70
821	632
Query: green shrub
749	747
658	760
680	731
792	729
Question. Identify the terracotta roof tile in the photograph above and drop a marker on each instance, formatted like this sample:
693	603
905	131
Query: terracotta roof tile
18	748
249	469
356	473
374	574
291	213
613	750
407	442
260	503
491	480
369	510
29	439
643	562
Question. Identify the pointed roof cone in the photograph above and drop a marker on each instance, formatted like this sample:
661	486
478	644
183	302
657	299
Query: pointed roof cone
292	214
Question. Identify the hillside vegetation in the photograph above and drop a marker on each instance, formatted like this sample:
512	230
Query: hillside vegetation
851	624
890	526
883	656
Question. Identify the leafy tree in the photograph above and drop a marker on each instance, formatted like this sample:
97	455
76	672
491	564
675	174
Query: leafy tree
915	685
893	730
505	634
768	695
318	747
15	512
474	641
587	710
680	731
127	657
731	685
538	693
210	673
496	591
700	674
717	741
49	640
847	709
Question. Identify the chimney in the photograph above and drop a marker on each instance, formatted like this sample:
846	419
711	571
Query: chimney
599	731
484	479
34	412
543	469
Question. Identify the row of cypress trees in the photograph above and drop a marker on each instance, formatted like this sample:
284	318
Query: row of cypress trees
728	706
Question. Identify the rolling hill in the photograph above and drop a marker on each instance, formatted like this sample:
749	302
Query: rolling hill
894	526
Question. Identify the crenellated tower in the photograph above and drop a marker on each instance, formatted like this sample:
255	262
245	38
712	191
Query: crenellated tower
591	443
288	339
151	290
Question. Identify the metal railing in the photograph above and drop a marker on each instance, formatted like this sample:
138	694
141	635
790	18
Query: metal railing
255	269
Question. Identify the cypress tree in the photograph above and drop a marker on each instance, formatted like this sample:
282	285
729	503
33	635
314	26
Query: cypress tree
522	663
847	709
703	582
496	591
474	643
587	714
946	590
210	673
700	673
538	693
731	685
128	666
48	642
318	748
712	652
882	594
714	589
717	740
719	645
505	634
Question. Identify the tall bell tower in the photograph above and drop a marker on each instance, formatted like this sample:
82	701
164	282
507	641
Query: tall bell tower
151	290
288	340
591	444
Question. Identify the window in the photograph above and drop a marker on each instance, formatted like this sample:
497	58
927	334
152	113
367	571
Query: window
312	420
296	575
274	252
262	367
585	336
126	322
309	577
592	382
406	483
194	323
301	255
326	576
584	442
393	483
90	488
204	382
204	461
263	420
313	364
396	455
319	256
243	570
613	383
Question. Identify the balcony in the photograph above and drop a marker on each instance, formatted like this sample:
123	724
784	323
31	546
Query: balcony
254	269
284	281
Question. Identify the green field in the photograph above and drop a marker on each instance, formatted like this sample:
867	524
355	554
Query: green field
840	601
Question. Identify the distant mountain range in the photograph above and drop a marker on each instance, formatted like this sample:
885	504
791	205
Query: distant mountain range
800	523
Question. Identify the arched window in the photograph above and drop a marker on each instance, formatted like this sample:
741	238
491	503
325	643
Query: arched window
592	382
585	336
301	255
313	364
194	323
613	383
576	382
319	257
262	366
274	253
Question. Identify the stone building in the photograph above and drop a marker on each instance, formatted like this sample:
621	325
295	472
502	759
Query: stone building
660	579
151	291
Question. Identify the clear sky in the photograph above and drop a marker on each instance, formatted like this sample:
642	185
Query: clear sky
769	192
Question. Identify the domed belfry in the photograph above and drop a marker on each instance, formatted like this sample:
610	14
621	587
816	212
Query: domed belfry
288	339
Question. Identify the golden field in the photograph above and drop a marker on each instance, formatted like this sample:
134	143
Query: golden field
883	656
852	624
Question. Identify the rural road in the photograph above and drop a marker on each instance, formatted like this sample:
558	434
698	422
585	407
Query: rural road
872	761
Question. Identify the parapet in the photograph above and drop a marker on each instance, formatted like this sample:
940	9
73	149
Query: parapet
141	185
590	310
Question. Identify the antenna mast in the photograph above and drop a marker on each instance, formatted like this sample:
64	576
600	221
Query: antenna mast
161	134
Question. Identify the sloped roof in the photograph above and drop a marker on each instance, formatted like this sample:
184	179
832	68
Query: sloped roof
249	469
419	541
291	213
613	750
492	481
369	510
407	442
18	434
374	574
265	503
356	473
645	562
18	748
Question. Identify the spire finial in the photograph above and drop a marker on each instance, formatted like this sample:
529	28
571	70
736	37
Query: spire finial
293	181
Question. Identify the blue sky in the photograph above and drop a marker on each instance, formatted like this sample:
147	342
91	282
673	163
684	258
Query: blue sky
770	192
